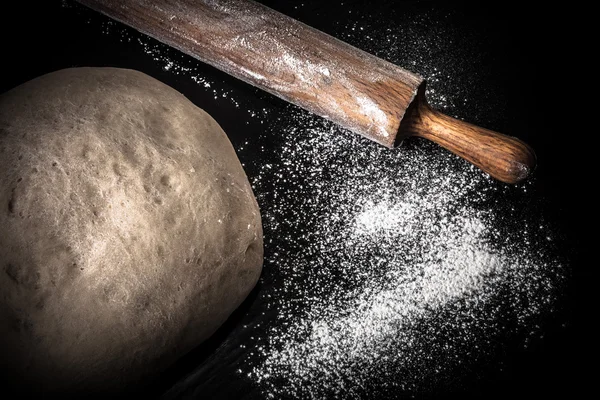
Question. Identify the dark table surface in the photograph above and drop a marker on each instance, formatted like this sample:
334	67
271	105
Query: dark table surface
484	64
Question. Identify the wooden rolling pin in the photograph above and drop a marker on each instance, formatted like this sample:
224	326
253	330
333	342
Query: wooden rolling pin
318	72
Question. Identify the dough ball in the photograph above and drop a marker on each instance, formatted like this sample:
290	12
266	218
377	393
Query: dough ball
128	229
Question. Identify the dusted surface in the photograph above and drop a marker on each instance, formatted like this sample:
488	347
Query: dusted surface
258	45
480	64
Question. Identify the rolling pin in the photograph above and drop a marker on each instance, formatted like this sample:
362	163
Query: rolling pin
319	73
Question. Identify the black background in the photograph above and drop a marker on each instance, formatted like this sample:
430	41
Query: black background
522	68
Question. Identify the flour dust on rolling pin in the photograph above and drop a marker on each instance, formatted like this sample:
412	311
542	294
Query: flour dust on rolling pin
283	56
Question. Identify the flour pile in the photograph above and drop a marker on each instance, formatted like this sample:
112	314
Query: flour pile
389	269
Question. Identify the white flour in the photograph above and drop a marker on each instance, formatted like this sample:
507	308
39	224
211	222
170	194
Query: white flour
392	272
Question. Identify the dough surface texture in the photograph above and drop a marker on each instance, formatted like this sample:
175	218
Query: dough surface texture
128	229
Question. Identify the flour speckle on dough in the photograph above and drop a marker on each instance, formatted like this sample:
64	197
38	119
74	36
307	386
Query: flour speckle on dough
111	243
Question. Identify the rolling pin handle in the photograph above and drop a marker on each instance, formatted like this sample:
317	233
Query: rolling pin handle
503	157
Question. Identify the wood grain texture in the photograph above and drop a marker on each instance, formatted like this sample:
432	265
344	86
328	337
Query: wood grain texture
505	158
278	54
317	72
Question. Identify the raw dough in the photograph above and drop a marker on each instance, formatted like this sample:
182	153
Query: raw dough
128	229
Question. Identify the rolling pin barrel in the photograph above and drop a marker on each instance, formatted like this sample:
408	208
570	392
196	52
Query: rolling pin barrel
317	72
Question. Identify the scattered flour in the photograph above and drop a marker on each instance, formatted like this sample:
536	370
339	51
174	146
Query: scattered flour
390	270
